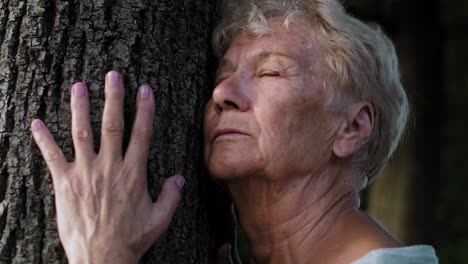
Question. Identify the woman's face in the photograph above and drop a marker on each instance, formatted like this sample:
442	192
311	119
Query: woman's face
267	114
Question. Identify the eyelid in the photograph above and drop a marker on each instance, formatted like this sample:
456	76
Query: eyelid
268	72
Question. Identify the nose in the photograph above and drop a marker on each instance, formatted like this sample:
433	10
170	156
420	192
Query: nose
230	95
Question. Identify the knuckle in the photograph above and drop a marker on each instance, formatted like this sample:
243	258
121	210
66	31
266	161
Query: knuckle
66	189
83	135
113	129
51	155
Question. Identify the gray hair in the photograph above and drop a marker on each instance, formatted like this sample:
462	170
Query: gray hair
362	65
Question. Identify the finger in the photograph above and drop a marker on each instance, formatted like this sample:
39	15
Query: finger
224	254
167	203
112	120
53	155
138	149
81	127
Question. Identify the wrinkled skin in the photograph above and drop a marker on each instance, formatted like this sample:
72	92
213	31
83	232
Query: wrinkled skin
270	91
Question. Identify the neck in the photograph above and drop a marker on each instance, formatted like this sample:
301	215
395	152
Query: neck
292	221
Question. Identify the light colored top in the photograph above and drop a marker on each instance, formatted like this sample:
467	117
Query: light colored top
421	254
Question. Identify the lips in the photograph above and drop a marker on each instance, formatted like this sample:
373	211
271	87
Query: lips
227	131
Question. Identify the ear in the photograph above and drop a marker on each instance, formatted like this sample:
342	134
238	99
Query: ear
355	131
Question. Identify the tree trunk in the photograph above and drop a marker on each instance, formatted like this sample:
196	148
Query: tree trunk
46	46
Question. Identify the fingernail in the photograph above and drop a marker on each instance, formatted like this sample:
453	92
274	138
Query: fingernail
37	124
144	91
113	78
79	90
180	182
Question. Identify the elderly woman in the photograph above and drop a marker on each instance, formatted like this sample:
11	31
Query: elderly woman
308	108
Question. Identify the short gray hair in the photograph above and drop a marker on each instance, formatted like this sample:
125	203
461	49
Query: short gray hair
362	65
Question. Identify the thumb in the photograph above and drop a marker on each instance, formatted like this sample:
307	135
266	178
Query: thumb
167	203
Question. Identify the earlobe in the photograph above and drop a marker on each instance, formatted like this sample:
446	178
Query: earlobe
355	131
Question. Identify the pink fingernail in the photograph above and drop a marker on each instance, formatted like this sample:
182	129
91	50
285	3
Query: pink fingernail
180	182
79	90
37	124
144	91
114	78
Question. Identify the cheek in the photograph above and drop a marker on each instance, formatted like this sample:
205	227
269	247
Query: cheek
292	131
285	116
279	127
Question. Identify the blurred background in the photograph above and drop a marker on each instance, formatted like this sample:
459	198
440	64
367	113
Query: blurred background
422	197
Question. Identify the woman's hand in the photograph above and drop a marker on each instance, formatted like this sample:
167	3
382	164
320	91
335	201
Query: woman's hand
104	211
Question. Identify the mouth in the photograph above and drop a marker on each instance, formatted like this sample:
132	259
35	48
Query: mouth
227	132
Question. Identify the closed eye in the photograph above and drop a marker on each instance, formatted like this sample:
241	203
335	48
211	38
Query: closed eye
269	73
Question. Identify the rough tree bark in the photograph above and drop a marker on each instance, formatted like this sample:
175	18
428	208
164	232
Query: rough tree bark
48	45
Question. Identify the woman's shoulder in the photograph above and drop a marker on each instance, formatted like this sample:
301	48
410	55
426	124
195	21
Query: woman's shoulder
420	254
